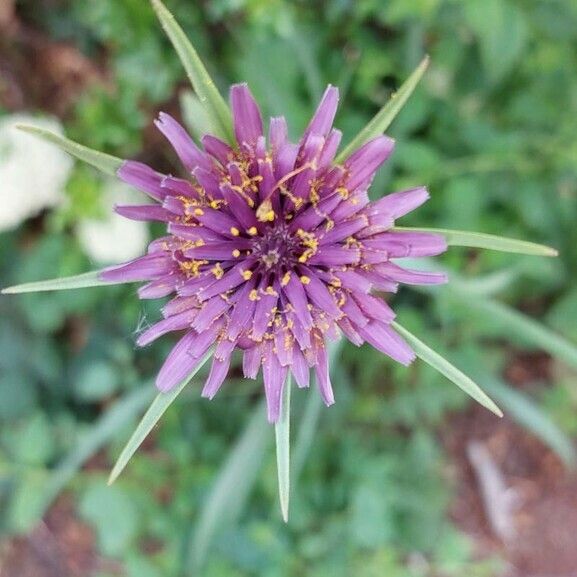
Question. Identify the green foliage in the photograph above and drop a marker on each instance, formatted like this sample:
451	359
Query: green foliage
490	131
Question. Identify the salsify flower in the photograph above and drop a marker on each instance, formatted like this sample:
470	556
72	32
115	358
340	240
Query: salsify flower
273	249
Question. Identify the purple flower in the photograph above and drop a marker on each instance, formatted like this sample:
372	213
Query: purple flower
272	249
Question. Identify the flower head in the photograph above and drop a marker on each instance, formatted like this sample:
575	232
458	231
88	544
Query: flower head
272	248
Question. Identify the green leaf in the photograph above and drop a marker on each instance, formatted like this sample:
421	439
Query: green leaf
442	365
113	513
85	280
487	241
529	415
151	417
216	108
282	438
502	30
519	325
381	121
104	162
95	438
231	489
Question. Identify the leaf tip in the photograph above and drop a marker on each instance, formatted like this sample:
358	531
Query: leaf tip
550	251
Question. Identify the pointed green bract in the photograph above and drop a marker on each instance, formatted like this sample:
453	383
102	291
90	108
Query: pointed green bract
382	120
486	241
100	160
282	437
84	280
527	412
151	417
517	324
442	365
216	108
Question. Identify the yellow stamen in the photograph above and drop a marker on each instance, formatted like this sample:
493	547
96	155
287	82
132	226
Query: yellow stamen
305	279
252	231
217	271
246	274
236	253
264	212
234	231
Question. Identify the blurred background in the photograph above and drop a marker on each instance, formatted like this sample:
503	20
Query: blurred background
404	476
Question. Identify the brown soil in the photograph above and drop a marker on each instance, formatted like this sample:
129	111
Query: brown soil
60	546
38	73
545	518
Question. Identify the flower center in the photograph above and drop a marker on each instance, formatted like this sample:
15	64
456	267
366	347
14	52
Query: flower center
277	247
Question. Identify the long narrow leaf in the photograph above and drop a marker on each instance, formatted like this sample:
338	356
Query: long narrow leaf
151	417
231	489
487	241
529	415
100	433
204	87
282	437
442	365
381	121
523	327
84	280
104	162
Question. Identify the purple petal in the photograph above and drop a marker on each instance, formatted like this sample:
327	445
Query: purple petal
218	372
300	369
246	115
190	155
386	340
399	274
218	149
179	363
251	361
159	288
323	377
375	308
142	177
144	212
274	376
277	133
330	148
319	294
398	204
324	116
175	323
364	162
147	267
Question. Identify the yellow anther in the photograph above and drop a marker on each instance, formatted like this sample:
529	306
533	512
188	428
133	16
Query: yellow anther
246	274
198	211
305	279
270	291
252	231
234	231
236	253
217	271
343	192
264	212
286	278
253	295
